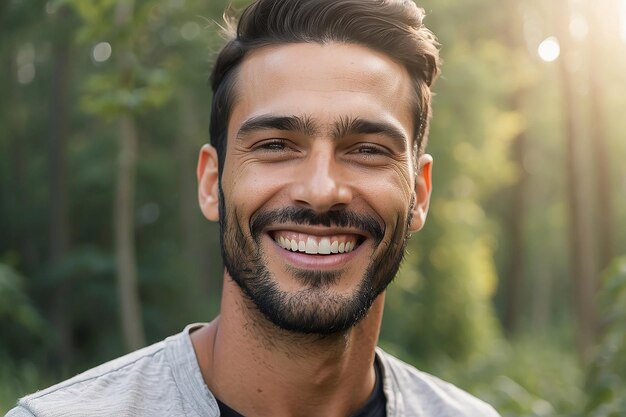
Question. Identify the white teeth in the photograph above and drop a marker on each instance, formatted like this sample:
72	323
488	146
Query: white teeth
312	246
324	246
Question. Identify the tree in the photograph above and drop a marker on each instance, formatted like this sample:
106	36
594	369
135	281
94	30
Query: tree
124	213
596	62
127	90
59	228
583	267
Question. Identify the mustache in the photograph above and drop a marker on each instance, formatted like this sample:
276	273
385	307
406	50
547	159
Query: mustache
339	218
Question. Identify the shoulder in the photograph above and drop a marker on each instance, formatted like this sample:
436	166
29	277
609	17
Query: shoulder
415	393
19	412
155	380
105	386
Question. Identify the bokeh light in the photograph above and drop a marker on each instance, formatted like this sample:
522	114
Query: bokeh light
549	49
102	52
51	7
190	30
578	27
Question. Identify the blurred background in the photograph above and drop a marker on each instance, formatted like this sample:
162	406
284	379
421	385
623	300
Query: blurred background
515	290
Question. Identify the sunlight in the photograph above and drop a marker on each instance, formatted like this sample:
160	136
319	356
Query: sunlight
622	19
549	49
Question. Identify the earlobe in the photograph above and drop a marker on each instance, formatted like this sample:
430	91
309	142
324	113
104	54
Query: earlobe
208	182
423	189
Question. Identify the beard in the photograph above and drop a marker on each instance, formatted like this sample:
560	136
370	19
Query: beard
314	309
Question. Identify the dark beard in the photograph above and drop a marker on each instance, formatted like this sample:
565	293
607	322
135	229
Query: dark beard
314	309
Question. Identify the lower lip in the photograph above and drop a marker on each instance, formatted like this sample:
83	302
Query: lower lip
307	261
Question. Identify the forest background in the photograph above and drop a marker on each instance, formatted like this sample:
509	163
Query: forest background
515	290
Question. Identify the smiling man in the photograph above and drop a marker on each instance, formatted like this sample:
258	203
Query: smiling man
317	174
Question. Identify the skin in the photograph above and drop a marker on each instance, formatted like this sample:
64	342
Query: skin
248	362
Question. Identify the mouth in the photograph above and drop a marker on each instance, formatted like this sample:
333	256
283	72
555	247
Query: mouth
316	244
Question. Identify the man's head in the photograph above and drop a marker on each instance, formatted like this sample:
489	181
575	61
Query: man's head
320	116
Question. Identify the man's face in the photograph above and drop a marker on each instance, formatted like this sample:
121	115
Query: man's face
319	188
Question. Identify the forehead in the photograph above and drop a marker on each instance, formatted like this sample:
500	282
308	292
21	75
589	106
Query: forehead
324	82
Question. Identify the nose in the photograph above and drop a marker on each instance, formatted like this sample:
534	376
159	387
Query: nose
320	183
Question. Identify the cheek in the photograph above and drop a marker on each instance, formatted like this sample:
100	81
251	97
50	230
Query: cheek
390	193
405	181
249	189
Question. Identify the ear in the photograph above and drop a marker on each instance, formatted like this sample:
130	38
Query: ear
208	181
423	188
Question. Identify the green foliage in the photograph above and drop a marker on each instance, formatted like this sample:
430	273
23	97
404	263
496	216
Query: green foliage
606	381
134	84
24	333
137	79
16	309
532	376
18	380
94	13
109	95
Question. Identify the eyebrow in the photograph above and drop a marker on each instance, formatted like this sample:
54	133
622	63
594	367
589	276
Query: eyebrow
355	125
343	127
299	124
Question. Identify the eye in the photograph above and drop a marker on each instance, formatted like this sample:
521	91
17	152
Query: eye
370	154
272	145
275	150
369	150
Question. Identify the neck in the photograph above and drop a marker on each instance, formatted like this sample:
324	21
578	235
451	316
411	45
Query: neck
259	369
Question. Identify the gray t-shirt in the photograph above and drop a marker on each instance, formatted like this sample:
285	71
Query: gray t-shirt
165	380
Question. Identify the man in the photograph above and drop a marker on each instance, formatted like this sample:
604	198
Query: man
317	174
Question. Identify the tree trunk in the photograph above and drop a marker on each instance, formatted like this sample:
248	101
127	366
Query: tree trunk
582	262
59	235
598	140
128	293
515	271
517	215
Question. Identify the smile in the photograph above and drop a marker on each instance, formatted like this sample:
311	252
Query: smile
315	245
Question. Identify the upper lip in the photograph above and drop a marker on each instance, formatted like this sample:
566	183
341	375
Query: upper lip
317	230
